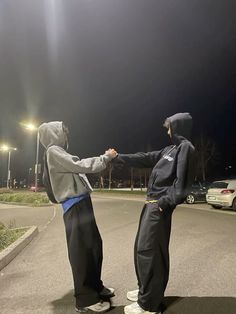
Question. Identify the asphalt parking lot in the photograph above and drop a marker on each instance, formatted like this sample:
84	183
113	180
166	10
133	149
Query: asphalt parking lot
202	248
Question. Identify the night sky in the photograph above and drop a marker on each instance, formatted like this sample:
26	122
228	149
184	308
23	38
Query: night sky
113	70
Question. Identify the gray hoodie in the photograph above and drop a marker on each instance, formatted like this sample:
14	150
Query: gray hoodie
67	172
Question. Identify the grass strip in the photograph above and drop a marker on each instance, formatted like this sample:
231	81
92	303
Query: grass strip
8	236
24	197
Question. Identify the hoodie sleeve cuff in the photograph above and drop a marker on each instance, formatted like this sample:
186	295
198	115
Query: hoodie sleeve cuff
106	158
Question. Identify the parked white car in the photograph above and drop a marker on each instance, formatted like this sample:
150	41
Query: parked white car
222	194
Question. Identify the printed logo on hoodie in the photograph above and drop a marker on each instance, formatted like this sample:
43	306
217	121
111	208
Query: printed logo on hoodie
168	157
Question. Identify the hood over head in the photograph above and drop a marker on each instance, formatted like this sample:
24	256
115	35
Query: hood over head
181	127
52	133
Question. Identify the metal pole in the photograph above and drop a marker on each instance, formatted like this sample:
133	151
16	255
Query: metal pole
36	163
8	169
30	169
132	179
110	170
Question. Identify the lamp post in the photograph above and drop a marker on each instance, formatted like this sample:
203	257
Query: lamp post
37	162
32	128
30	169
8	149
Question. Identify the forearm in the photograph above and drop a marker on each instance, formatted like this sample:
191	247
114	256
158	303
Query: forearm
70	163
131	160
140	159
92	165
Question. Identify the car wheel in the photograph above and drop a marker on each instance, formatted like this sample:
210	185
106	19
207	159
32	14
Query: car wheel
216	206
190	199
234	205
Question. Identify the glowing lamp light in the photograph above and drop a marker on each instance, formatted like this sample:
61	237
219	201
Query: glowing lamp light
5	148
29	126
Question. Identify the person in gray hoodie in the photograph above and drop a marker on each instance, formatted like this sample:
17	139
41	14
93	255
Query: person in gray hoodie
172	175
71	188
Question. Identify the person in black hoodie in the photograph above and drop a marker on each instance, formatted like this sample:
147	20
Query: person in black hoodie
171	176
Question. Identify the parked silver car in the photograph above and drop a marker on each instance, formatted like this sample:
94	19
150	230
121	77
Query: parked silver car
222	194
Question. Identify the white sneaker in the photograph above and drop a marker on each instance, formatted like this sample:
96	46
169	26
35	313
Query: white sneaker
99	307
132	295
134	308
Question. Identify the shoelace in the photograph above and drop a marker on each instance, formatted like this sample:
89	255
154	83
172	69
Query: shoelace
99	305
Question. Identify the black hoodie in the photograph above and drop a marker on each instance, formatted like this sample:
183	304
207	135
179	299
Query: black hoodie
173	166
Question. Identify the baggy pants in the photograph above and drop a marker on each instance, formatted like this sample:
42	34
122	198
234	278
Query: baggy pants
85	252
151	256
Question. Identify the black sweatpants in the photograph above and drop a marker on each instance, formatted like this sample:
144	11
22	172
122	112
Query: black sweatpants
151	256
85	252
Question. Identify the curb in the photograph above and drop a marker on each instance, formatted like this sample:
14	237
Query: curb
27	204
9	253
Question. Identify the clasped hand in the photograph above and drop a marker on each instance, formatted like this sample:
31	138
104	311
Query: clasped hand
111	152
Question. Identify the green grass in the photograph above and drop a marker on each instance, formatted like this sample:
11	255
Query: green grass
8	236
39	198
24	197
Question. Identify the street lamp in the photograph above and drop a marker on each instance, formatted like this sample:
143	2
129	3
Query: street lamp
31	127
6	148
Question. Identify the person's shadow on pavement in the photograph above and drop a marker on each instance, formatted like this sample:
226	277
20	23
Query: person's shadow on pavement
200	305
64	305
172	305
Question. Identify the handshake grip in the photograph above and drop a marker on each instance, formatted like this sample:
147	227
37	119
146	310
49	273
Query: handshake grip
117	162
111	152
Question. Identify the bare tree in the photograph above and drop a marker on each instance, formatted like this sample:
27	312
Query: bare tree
103	175
207	155
110	168
101	182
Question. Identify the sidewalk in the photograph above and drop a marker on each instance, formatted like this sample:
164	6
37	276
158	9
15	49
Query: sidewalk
38	275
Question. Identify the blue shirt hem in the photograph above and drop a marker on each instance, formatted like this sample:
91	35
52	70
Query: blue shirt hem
69	202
